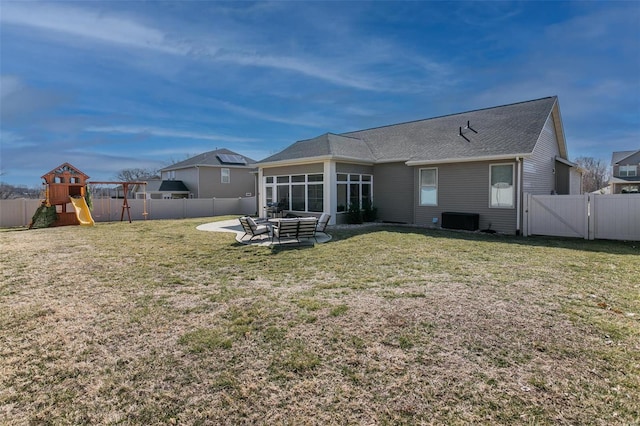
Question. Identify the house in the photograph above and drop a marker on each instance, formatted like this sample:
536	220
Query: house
624	172
221	173
478	163
158	189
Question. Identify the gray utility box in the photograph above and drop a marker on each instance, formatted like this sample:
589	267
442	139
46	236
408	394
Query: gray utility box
466	221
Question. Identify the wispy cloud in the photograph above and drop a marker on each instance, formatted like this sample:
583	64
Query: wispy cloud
261	115
345	67
169	133
77	22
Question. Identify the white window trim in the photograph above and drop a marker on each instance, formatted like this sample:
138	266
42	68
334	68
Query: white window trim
420	187
350	182
628	169
513	179
290	184
225	173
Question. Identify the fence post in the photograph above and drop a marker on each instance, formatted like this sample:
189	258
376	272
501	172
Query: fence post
591	216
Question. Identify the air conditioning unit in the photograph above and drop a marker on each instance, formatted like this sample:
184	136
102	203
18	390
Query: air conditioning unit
466	221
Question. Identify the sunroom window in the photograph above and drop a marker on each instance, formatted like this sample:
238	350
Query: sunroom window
353	189
302	193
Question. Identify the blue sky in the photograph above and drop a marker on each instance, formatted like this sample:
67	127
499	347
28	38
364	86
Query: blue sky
112	85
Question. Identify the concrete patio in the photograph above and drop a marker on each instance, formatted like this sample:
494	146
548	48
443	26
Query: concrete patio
233	225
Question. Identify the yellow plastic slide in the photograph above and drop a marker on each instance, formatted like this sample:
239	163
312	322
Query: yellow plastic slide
82	211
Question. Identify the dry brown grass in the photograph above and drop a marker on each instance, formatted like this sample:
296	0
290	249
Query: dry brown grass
157	323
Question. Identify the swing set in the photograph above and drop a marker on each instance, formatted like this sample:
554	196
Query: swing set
125	202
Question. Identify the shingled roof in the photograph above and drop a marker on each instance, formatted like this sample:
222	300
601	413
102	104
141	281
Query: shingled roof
210	158
507	130
619	156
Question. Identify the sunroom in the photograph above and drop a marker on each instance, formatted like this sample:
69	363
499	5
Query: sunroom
315	188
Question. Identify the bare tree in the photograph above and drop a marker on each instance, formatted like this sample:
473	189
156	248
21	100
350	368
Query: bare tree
137	174
8	191
595	173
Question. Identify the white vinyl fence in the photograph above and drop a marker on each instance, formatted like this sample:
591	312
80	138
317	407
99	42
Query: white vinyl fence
18	212
588	216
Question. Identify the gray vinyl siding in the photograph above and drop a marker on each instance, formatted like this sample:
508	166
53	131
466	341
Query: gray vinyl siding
190	178
241	182
354	168
464	188
629	161
294	170
537	170
394	192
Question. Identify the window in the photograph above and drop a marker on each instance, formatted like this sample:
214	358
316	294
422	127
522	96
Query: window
428	187
304	193
502	190
353	189
225	176
628	171
315	198
298	198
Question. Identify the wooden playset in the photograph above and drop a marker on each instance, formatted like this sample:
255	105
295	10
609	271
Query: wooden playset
66	186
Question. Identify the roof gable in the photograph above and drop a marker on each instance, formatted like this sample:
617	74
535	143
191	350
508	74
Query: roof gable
620	156
65	168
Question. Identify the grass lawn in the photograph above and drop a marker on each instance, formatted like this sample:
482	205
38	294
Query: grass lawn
158	323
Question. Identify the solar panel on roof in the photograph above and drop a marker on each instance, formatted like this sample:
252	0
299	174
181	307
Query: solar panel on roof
231	159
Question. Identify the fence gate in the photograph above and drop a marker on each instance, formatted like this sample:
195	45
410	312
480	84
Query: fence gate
588	216
556	215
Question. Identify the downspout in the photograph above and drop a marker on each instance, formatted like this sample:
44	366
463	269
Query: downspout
518	195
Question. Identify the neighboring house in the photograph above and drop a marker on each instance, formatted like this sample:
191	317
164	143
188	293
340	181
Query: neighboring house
479	162
220	173
625	178
159	189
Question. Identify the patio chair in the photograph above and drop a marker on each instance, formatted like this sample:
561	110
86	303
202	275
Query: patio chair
250	227
285	229
323	222
307	228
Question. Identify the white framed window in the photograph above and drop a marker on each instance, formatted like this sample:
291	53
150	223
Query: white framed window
303	193
628	171
502	190
225	176
429	187
354	189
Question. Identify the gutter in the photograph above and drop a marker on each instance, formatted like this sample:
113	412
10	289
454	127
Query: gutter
467	159
313	160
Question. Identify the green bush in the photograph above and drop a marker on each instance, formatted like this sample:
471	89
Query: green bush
44	217
369	212
354	214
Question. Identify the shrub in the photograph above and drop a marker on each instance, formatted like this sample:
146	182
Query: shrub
354	214
369	212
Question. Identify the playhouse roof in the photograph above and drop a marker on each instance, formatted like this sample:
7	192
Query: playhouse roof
65	168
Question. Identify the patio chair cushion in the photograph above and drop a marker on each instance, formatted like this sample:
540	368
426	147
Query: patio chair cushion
323	222
251	227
